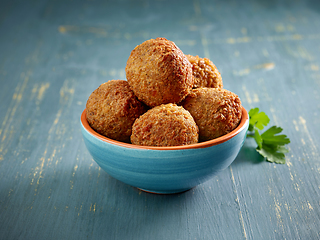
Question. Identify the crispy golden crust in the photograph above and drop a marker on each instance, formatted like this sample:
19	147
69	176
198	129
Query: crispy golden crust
112	109
205	73
216	111
165	125
158	72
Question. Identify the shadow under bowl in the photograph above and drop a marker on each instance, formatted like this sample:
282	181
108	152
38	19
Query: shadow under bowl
164	170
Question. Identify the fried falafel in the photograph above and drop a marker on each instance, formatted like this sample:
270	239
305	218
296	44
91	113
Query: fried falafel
205	73
216	111
158	72
165	125
112	109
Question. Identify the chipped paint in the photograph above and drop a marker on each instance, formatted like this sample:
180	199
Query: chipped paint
242	72
265	52
309	205
238	40
246	71
289	163
303	123
186	42
80	209
278	210
93	207
6	130
196	7
274	116
296	127
244	31
280	28
303	52
255	98
204	43
74	170
55	131
270	38
238	203
82	29
247	94
42	90
267	66
312	67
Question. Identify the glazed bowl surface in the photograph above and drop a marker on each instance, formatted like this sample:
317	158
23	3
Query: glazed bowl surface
164	170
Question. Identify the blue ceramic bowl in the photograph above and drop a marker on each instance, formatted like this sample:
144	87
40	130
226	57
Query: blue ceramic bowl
164	169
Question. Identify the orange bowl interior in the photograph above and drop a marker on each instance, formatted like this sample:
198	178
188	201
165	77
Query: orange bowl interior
205	144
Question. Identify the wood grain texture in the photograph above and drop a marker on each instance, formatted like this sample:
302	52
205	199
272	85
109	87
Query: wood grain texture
55	53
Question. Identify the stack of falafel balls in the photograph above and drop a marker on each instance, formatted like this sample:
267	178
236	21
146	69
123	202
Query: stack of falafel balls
169	99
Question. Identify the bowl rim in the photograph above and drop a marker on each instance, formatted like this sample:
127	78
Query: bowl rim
216	141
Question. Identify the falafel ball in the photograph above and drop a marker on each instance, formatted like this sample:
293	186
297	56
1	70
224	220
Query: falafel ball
158	72
165	125
216	111
205	73
112	109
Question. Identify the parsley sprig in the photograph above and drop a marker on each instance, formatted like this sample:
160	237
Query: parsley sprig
270	143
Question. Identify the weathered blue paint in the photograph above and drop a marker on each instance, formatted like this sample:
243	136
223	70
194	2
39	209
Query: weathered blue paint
53	54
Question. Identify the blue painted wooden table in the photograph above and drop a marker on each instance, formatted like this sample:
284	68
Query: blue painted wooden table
53	54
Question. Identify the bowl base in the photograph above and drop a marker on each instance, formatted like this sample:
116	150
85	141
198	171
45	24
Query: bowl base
176	191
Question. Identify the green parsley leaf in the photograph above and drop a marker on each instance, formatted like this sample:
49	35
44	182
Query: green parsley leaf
257	119
270	144
269	136
258	138
273	153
